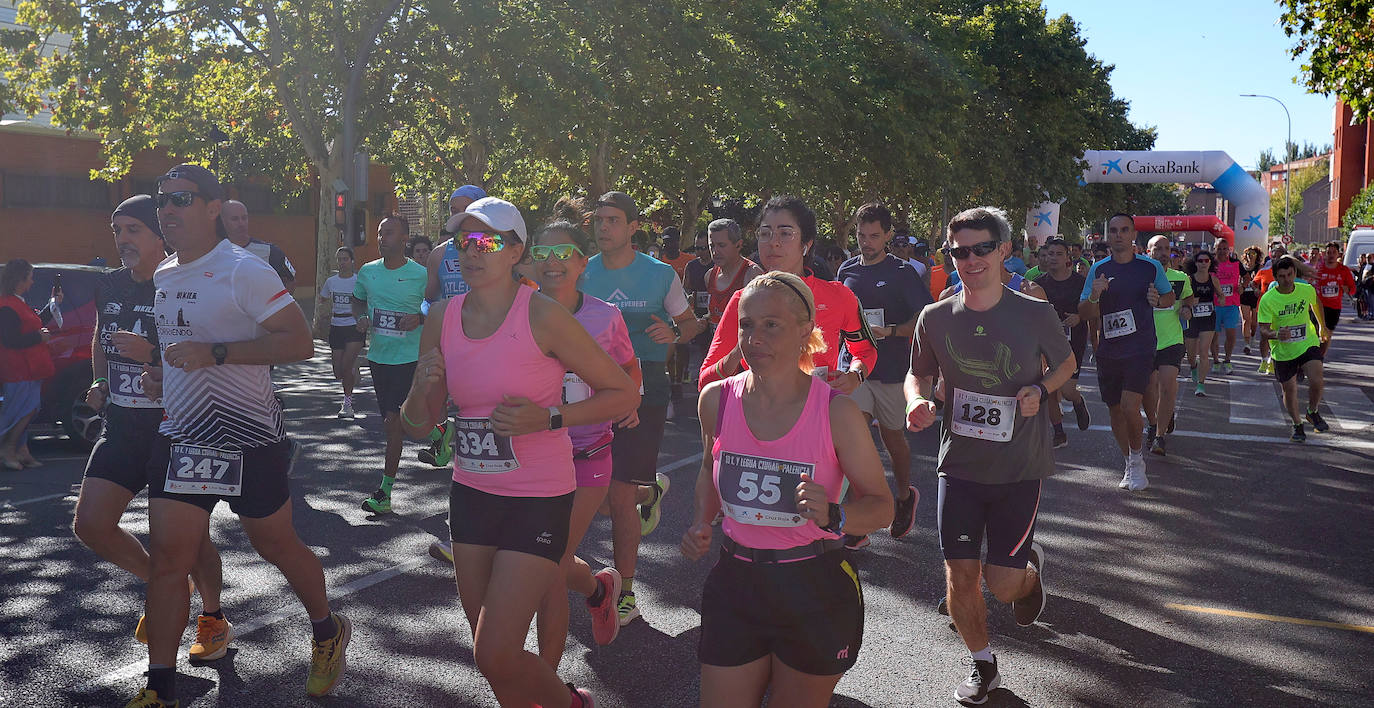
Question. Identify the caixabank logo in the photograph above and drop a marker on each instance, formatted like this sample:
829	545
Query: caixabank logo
1143	167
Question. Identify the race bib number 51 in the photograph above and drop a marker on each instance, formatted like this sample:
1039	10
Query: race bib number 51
480	450
197	469
760	491
983	417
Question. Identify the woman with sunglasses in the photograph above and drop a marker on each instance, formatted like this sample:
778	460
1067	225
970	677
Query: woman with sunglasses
1250	263
782	610
557	261
786	235
1202	325
513	477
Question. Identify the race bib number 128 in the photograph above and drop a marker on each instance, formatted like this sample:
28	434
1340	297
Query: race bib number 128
983	417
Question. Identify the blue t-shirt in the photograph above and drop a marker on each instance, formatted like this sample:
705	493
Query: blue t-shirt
1128	320
1015	265
642	290
892	286
451	281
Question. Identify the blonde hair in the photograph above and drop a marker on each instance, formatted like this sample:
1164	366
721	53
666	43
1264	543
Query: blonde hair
795	291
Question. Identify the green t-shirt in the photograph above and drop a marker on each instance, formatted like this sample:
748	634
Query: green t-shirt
1290	312
1034	273
1168	329
390	294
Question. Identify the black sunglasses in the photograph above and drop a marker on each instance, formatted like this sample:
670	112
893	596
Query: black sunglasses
959	253
181	199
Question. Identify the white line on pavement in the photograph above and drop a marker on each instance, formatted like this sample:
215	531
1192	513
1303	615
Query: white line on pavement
1313	439
6	505
1255	403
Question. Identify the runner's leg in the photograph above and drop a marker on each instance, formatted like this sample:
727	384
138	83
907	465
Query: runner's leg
551	624
275	539
350	367
98	510
790	687
1150	401
208	574
1290	399
1315	384
515	587
625	526
1167	394
176	531
964	588
735	686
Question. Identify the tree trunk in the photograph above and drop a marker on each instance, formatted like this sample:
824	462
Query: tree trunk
598	169
327	236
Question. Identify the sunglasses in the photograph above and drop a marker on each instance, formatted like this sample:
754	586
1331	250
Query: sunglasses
562	252
484	242
959	253
181	199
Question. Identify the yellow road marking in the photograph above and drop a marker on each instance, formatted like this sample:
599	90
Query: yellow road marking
1270	618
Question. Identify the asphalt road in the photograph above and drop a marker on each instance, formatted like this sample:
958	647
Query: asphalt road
1240	578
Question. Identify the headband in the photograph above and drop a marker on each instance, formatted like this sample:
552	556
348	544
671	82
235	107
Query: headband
794	289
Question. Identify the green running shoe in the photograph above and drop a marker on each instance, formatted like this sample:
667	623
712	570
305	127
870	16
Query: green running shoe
649	513
378	503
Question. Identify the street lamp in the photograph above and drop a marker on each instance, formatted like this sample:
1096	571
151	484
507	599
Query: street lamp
1287	164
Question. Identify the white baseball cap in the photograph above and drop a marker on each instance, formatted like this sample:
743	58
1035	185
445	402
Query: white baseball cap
496	213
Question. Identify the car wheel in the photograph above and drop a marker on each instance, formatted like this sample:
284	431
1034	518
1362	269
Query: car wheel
80	422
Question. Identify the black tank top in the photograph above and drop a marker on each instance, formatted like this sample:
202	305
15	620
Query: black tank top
1063	294
1204	292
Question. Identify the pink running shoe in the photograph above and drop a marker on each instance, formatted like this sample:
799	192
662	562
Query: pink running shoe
605	617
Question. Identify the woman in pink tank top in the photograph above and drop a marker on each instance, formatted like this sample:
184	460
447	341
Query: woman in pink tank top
782	610
500	354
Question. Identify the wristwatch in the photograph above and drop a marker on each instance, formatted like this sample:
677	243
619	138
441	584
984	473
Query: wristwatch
836	524
555	419
1044	392
219	351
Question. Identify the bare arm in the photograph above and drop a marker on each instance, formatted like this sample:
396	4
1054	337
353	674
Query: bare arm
287	340
869	506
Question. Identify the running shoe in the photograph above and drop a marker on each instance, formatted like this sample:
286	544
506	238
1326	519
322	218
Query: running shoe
1080	411
854	543
1061	439
212	638
1158	446
1195	381
327	660
582	695
1227	367
440	450
1246	348
1172	422
1200	391
1029	608
346	410
1139	482
1298	434
442	550
605	623
905	516
147	698
942	606
1125	482
378	503
1150	431
649	515
1264	364
626	608
984	679
1317	421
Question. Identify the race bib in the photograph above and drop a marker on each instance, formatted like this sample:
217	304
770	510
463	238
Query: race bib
1296	333
1202	309
126	385
477	448
1330	290
387	323
1227	289
703	299
343	303
197	469
875	317
575	389
760	491
1118	324
983	417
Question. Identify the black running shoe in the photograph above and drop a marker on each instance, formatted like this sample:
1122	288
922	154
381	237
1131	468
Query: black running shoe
1172	422
1150	431
1080	410
1061	439
1318	423
1298	434
943	606
984	679
905	517
1027	609
854	543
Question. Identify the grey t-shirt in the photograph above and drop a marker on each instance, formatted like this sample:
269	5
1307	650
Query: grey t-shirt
985	358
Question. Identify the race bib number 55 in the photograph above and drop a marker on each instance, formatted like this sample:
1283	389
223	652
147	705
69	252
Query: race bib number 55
983	417
479	449
197	469
760	491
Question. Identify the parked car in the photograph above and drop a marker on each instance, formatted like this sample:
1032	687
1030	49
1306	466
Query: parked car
63	410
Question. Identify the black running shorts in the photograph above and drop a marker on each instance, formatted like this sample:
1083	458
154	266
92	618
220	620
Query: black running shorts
391	382
266	489
808	613
634	451
1333	316
1171	355
121	454
1284	370
340	336
1006	511
1117	375
534	525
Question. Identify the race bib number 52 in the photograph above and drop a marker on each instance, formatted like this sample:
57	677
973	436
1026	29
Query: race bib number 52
760	491
983	417
387	323
480	450
197	469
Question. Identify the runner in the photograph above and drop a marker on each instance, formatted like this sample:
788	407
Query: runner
559	259
1120	290
679	357
782	610
222	318
1333	281
513	475
1264	281
1202	319
989	343
125	341
445	276
1287	313
695	283
650	297
345	339
418	249
731	272
1161	393
1251	261
1062	286
892	295
235	219
1227	268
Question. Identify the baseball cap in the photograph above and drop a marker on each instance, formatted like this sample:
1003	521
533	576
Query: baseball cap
471	191
672	233
621	201
496	213
201	177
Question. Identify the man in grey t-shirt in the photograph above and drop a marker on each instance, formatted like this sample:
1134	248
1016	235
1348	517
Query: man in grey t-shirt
989	344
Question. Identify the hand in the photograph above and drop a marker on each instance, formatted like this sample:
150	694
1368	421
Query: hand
1029	399
696	541
152	382
629	420
430	371
1072	320
188	356
1325	336
133	346
812	501
922	416
1283	334
845	382
58	296
363	324
410	322
1152	295
95	396
518	415
1100	286
45	335
660	332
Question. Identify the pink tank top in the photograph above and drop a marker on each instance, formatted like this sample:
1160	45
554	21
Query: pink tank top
1228	275
757	479
480	372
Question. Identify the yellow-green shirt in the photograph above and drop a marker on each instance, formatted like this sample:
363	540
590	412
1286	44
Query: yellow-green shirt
1292	312
1168	329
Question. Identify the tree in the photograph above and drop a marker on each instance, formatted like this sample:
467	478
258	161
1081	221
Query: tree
1302	179
1336	39
1361	210
1266	160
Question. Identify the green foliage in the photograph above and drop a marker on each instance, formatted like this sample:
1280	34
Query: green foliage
1302	179
1361	211
1336	38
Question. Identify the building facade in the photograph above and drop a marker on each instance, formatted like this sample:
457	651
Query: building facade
1352	162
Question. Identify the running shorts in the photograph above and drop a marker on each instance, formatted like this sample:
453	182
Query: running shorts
886	402
1333	316
1198	325
634	452
1078	342
534	525
265	486
1171	355
1249	298
1117	375
1007	512
1284	370
341	336
391	382
1228	317
122	453
808	613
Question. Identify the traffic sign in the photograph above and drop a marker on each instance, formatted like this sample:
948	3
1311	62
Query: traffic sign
1287	239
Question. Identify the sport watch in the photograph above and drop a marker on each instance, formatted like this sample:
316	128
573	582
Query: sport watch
836	524
219	352
555	419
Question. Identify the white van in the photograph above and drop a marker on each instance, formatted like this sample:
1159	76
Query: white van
1361	241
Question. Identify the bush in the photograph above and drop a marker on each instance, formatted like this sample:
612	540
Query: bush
1361	210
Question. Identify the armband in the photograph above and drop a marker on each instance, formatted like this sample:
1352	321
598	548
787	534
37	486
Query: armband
913	403
407	419
101	380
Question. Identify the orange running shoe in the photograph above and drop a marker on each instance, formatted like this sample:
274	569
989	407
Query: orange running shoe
212	638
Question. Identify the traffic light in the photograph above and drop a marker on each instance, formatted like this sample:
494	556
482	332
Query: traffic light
340	211
359	234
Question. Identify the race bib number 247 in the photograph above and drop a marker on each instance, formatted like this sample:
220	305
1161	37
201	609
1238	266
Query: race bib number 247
199	469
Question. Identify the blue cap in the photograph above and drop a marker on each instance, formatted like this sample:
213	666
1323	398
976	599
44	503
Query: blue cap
471	191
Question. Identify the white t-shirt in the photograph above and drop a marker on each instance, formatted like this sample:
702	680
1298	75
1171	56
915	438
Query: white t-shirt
339	291
919	266
223	296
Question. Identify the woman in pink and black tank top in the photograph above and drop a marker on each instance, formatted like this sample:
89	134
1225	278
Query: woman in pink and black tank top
782	610
501	354
558	258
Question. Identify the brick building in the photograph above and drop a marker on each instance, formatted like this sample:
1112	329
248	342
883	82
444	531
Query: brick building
1352	163
1274	179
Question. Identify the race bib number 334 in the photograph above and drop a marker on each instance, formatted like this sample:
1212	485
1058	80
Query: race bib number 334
197	469
760	491
479	449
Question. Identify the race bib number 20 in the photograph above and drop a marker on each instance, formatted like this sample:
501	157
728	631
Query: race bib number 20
126	385
198	469
760	491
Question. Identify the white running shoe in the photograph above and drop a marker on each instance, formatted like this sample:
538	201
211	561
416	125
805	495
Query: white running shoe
346	410
1139	482
1126	479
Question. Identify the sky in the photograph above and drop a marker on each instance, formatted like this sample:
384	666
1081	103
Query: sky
1183	65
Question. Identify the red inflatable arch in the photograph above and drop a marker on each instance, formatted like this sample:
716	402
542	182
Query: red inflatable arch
1210	224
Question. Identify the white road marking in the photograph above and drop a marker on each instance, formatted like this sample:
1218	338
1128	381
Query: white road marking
1335	442
6	505
1256	403
1348	408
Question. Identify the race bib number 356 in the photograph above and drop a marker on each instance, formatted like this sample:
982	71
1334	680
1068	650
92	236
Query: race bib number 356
477	448
983	417
760	491
197	469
